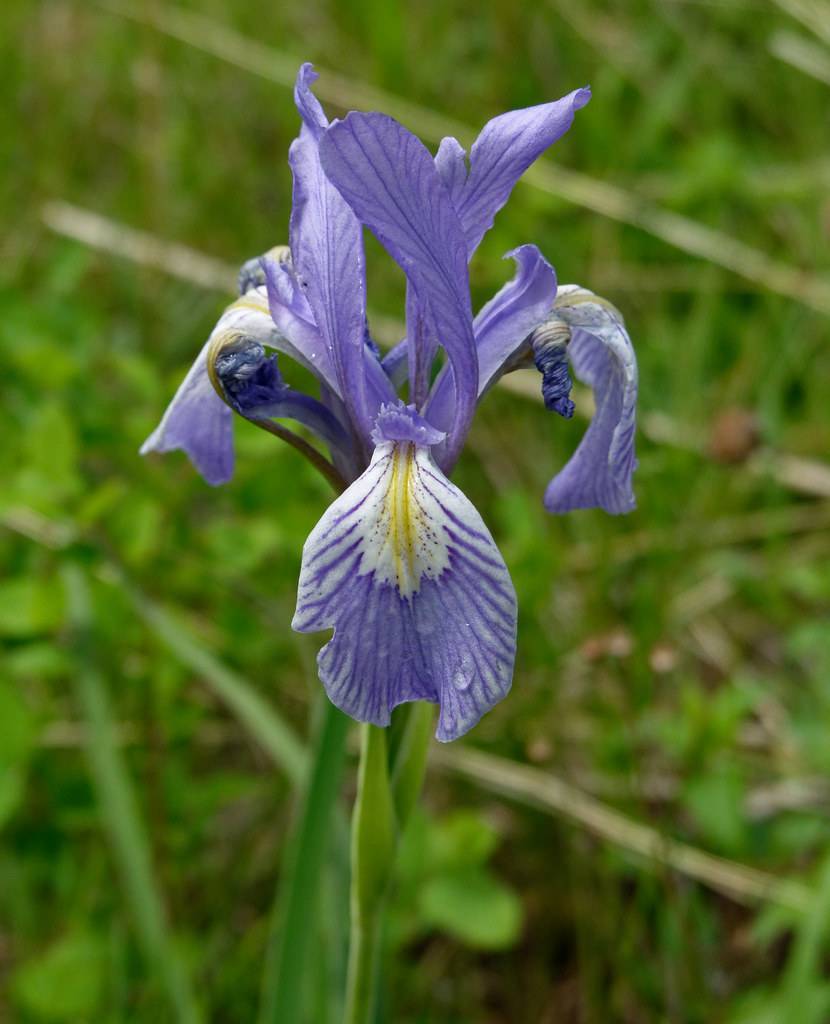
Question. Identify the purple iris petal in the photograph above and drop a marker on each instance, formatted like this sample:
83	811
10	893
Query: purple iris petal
451	162
327	251
421	346
389	179
394	364
599	473
199	423
501	154
502	326
295	321
401	422
311	111
403	569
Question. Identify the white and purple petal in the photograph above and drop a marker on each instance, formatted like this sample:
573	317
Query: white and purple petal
599	473
403	569
389	179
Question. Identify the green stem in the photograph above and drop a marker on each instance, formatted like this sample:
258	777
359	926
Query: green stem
364	960
374	835
295	921
386	795
409	762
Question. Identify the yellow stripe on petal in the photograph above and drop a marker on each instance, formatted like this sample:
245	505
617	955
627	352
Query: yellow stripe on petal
399	509
401	539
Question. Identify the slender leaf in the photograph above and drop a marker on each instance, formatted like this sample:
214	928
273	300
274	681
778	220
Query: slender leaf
295	923
119	811
258	716
374	839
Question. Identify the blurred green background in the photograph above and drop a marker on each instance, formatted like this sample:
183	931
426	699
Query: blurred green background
644	836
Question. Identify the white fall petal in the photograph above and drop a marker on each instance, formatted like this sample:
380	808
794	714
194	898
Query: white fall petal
404	570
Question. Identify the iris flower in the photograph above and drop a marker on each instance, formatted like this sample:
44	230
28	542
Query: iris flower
401	565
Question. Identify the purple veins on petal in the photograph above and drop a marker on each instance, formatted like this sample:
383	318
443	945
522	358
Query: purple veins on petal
389	179
502	327
294	320
327	254
403	569
503	151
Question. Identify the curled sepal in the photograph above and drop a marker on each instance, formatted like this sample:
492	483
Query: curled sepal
198	421
599	473
403	569
234	372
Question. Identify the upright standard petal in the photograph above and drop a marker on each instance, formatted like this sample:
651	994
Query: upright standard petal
504	150
599	473
328	259
451	163
327	252
502	327
403	569
389	179
294	319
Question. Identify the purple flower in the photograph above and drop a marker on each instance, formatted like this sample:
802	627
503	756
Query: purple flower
401	565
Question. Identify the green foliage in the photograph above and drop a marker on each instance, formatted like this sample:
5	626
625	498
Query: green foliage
66	982
446	884
674	663
17	739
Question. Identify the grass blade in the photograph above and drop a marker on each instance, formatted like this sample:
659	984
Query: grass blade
259	717
295	920
295	925
119	812
540	789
